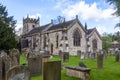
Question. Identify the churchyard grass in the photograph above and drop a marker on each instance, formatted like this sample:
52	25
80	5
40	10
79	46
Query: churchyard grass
110	71
23	59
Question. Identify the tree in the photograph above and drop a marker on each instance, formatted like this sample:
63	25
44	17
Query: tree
59	19
116	4
7	30
106	41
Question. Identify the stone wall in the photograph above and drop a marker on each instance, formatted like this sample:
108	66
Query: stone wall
72	49
99	41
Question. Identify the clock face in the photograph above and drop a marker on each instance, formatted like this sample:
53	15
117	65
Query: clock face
20	76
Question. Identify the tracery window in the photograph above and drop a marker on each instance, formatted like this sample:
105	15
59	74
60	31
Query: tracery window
94	44
76	38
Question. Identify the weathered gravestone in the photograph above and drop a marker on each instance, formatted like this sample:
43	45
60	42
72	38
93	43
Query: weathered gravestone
60	54
79	53
100	61
52	70
5	64
82	55
35	64
15	56
117	56
18	73
1	69
65	56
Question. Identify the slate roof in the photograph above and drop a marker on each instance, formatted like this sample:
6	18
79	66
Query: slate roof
90	30
61	25
44	26
37	30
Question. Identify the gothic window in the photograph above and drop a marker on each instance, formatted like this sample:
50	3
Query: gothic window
94	44
76	38
44	41
57	38
34	42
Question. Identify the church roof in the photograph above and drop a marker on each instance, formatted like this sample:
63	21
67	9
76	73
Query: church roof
33	31
37	30
61	25
90	30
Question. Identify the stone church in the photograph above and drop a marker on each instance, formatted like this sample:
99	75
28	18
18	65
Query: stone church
69	36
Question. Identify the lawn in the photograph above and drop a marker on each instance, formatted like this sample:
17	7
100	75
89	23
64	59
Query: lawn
111	70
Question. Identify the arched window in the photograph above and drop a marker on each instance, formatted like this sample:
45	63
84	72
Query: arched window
44	41
76	38
94	44
57	37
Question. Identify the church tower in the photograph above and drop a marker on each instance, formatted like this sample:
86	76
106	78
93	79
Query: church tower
29	24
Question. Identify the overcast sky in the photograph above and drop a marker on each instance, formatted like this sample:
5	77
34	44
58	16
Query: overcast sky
94	13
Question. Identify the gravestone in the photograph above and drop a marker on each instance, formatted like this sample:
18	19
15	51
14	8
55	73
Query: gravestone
35	64
5	64
52	70
117	56
65	56
18	73
78	53
60	54
100	61
2	53
1	70
82	55
15	56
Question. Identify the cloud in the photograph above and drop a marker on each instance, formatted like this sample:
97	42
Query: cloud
18	25
18	28
87	11
101	29
61	4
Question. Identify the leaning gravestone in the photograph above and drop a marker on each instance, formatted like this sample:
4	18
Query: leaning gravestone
65	56
52	70
35	65
18	73
100	61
